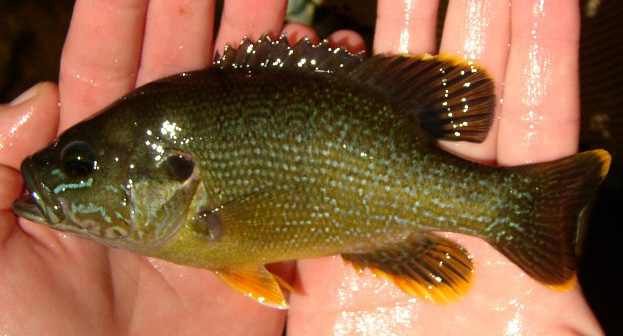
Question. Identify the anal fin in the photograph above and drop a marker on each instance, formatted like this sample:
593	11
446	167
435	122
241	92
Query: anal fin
257	283
425	266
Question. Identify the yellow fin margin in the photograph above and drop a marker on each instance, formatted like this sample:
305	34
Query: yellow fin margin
425	266
257	283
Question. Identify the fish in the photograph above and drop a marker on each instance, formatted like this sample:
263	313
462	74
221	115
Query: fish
282	152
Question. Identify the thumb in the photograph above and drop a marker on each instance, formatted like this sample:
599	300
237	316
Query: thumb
28	123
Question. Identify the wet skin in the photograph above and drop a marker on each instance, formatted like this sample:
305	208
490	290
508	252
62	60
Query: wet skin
112	291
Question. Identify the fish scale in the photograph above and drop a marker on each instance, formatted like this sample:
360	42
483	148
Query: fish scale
399	150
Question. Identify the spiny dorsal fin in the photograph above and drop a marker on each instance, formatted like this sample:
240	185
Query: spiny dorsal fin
279	54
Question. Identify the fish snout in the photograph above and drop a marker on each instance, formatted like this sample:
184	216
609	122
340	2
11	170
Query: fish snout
38	205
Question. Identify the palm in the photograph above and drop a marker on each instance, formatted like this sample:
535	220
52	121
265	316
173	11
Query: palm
70	285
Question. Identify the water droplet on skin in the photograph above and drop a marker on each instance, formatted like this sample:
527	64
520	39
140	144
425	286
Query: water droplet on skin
377	321
474	38
12	129
405	34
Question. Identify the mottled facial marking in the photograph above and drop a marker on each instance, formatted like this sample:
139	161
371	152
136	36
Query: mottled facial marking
96	181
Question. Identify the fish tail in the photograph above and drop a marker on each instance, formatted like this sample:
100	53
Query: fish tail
537	231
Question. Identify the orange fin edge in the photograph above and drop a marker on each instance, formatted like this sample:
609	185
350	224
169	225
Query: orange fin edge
257	283
425	266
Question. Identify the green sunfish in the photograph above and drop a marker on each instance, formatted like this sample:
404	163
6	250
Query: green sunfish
281	152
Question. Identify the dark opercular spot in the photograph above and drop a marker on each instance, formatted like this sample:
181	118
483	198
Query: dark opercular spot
78	159
179	167
208	226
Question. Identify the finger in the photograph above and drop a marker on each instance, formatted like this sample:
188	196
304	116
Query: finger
28	123
349	39
479	31
406	26
100	57
178	37
251	19
540	114
343	301
297	31
10	189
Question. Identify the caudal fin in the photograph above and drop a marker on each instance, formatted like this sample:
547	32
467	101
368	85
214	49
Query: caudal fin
538	231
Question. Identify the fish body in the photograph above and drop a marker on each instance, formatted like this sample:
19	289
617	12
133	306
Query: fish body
283	152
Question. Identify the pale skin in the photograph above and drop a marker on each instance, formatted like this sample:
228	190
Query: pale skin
55	283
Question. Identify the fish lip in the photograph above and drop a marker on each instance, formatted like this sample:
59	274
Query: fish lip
39	205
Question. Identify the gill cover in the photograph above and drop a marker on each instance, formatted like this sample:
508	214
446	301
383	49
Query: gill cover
161	190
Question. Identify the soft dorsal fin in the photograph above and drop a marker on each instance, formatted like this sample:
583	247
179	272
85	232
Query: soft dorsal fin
450	98
279	54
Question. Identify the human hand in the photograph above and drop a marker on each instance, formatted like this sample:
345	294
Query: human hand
60	284
65	284
531	51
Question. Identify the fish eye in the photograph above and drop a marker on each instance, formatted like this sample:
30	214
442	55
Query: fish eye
78	159
179	167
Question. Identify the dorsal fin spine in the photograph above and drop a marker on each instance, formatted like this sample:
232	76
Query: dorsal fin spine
278	54
450	99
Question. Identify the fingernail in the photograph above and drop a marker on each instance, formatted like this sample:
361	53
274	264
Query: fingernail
26	95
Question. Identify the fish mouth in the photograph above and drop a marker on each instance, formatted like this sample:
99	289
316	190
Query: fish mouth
39	205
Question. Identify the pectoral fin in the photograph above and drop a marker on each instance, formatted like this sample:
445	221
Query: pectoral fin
426	266
257	283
